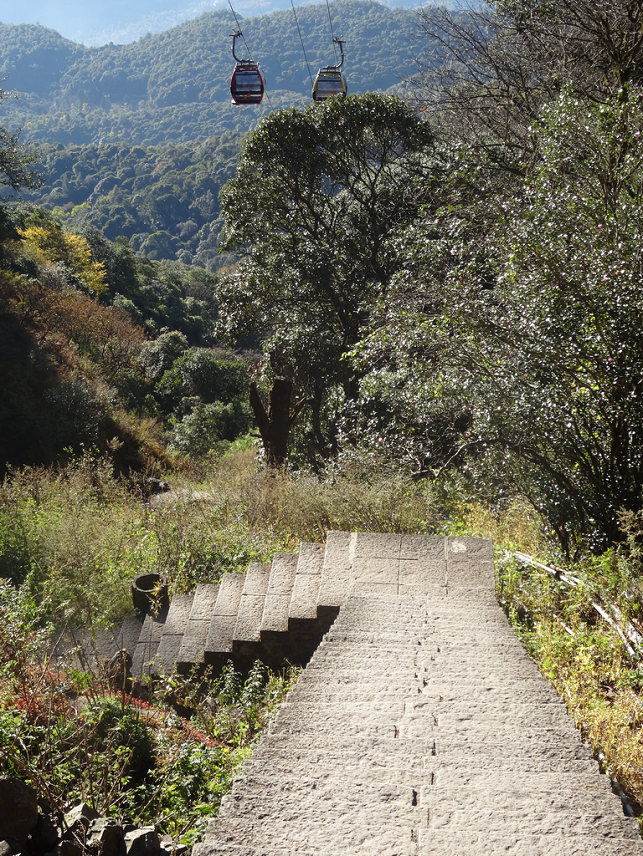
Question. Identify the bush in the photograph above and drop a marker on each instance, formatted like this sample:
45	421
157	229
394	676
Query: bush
140	763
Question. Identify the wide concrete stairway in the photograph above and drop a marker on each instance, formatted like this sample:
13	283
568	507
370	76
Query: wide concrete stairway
418	728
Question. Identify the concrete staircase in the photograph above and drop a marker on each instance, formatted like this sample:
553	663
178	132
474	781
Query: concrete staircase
272	612
419	726
277	612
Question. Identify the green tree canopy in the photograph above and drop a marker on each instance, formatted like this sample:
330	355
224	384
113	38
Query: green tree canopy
15	169
314	206
537	345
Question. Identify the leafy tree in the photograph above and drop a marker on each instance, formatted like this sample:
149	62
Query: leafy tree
312	210
543	360
203	374
50	245
15	170
489	71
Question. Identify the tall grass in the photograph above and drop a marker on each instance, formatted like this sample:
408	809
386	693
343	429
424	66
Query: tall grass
76	536
582	654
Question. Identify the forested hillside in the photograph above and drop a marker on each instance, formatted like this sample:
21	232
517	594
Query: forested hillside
163	199
137	140
175	85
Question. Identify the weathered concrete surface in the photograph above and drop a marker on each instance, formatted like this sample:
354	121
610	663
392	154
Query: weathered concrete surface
196	631
218	646
246	643
175	624
419	728
274	635
143	658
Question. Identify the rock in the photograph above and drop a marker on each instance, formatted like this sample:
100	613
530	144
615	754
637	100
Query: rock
105	837
170	847
18	811
118	671
68	848
44	835
157	486
143	842
5	849
78	818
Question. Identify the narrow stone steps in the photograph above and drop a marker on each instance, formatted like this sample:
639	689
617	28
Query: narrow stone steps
246	642
194	640
218	646
419	727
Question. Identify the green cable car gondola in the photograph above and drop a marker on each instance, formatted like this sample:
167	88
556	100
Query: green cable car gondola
329	80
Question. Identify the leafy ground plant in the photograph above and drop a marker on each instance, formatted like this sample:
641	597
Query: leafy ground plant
141	762
592	659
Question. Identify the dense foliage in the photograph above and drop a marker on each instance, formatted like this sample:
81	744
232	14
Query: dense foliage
102	349
313	209
499	334
163	199
75	739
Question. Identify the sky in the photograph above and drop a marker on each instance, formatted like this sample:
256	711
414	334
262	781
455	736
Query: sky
98	22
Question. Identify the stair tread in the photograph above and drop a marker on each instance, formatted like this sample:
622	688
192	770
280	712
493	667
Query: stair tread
173	630
282	576
251	605
224	617
196	631
148	643
305	591
336	570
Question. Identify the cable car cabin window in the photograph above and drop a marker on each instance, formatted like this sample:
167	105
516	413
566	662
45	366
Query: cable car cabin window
246	86
328	85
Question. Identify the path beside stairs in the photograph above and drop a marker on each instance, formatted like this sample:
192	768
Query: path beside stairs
419	727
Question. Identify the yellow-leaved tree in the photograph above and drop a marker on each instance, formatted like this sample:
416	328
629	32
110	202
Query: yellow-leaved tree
48	244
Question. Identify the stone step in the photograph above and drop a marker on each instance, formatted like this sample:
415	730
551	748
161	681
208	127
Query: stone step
496	786
435	842
173	629
338	828
218	646
210	848
302	611
246	641
91	649
305	629
195	637
274	620
336	576
144	656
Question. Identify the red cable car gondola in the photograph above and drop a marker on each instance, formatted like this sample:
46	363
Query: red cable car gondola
246	83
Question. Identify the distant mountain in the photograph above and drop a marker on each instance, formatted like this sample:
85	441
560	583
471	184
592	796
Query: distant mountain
136	140
94	22
175	85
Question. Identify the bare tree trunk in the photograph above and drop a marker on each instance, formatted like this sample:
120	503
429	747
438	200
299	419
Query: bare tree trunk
275	421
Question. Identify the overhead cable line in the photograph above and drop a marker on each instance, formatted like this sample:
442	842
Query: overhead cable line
310	74
332	34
